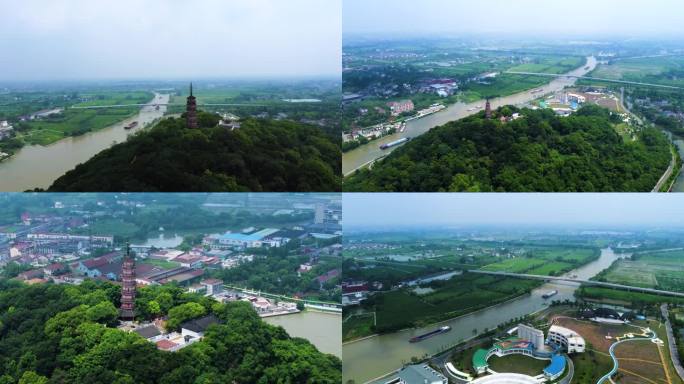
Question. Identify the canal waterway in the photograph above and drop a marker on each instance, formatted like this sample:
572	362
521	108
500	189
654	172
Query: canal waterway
322	329
372	357
36	166
365	154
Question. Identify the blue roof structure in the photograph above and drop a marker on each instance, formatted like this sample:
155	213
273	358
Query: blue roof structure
256	236
556	367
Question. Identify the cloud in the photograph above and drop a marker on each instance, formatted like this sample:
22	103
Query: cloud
169	38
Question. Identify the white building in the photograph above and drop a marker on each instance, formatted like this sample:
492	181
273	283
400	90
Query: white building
533	335
567	339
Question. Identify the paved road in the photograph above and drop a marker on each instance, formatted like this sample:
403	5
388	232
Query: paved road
674	354
592	78
588	282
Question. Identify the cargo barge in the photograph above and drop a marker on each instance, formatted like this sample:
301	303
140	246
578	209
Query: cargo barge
428	335
395	143
550	294
131	125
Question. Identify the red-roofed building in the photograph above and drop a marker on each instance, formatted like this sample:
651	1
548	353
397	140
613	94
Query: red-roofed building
54	269
324	278
166	345
30	274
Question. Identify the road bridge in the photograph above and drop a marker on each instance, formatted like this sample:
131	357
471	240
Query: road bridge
581	281
592	78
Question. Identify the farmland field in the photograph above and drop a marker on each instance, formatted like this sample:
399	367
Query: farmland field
665	70
457	296
663	270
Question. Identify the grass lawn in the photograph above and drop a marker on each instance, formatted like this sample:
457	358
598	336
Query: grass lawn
518	364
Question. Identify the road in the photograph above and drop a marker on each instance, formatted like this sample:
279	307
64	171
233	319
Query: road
283	297
674	354
581	281
666	175
592	78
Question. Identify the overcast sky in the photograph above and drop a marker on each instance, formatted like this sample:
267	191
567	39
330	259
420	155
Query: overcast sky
601	209
77	39
542	18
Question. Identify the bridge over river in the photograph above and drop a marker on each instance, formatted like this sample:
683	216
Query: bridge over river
591	78
582	281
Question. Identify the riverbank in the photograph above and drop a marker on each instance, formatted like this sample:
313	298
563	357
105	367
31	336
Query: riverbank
366	154
376	356
37	166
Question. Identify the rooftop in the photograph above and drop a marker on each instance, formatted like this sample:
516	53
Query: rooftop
557	365
201	324
480	358
255	236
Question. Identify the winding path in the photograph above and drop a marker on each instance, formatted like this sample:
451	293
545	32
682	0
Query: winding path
611	350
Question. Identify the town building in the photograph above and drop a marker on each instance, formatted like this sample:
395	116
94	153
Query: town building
399	107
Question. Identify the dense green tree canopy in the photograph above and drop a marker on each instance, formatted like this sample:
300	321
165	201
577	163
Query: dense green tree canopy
59	334
262	155
539	152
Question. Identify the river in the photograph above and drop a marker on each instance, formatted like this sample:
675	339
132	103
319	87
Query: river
375	356
364	154
322	329
38	166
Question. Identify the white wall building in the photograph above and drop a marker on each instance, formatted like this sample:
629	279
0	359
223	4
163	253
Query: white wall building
566	338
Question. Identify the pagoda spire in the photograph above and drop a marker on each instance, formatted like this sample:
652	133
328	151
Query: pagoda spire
191	111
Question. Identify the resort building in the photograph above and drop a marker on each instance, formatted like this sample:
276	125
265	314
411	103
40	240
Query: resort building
567	339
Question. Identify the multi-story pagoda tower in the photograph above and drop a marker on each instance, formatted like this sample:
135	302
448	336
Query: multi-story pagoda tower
191	110
488	110
128	289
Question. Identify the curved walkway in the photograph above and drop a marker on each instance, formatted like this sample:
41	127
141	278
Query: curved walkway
611	351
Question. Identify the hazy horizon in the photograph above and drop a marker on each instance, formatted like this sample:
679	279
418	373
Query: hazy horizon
386	210
554	20
74	40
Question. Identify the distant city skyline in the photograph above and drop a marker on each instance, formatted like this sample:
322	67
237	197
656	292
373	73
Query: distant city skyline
157	39
542	19
366	210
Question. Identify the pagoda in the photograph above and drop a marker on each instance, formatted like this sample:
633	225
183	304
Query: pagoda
127	312
191	110
488	110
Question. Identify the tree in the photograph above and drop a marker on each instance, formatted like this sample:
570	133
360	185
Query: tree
184	312
30	377
104	313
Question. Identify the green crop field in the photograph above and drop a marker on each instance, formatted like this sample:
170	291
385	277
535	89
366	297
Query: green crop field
545	261
662	270
457	296
666	70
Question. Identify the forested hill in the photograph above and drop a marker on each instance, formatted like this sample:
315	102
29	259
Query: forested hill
262	155
537	152
66	334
